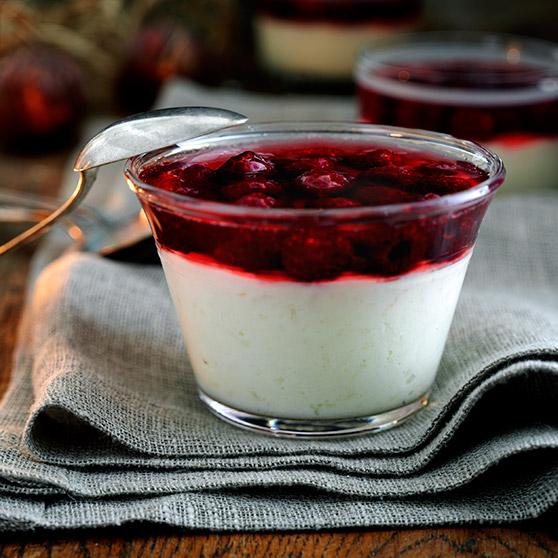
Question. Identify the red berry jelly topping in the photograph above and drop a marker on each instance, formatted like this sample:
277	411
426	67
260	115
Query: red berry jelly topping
315	246
484	119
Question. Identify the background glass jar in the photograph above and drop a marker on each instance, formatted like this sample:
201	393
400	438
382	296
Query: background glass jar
499	90
320	39
315	321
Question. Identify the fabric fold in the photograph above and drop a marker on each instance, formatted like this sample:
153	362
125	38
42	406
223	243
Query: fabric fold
101	424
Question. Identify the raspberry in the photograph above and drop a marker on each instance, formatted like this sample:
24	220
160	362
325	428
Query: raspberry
370	159
182	178
184	235
171	182
383	195
437	168
149	174
323	182
252	249
236	190
297	166
390	250
314	254
195	174
399	177
440	178
167	227
257	199
245	164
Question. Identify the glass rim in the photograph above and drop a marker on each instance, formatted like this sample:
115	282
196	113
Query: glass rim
182	203
437	45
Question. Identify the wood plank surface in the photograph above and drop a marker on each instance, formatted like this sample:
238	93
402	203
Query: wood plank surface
535	539
163	543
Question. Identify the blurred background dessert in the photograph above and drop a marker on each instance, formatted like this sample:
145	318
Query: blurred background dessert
63	62
319	40
497	89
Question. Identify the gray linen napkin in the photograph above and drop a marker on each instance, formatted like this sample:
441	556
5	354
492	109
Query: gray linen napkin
101	424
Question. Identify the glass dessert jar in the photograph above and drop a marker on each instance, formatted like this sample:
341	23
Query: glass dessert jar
320	39
499	90
316	286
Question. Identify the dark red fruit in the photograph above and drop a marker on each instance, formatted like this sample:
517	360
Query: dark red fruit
252	249
246	164
183	235
399	177
383	195
42	99
370	158
323	182
316	254
437	168
195	175
298	166
313	249
257	199
241	188
179	177
388	249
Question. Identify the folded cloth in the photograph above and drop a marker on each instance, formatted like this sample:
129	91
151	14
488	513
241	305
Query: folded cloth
101	424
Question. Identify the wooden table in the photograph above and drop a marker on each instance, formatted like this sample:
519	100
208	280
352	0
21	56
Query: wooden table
536	539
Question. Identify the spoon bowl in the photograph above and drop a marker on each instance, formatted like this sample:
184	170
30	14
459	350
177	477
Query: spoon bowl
127	138
152	130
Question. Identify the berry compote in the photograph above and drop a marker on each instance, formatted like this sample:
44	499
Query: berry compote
319	176
501	91
315	269
320	38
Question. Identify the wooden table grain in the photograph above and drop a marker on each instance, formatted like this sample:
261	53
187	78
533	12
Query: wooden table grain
534	539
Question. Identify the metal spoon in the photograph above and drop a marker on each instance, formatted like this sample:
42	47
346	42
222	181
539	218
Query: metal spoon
126	138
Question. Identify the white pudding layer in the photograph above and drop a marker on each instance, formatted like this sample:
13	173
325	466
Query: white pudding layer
531	165
315	49
324	350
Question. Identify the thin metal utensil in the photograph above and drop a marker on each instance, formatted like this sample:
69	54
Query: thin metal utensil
127	138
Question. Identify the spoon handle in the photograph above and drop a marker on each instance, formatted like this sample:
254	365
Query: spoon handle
86	180
127	138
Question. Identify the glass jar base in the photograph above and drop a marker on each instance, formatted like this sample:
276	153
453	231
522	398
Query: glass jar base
319	428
